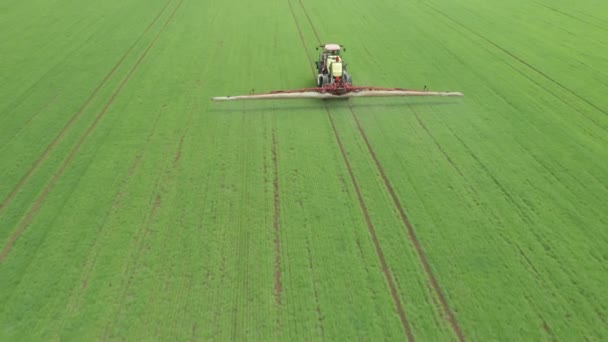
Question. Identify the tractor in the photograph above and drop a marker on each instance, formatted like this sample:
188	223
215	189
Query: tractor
334	82
331	69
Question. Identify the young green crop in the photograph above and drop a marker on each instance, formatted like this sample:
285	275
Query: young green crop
132	207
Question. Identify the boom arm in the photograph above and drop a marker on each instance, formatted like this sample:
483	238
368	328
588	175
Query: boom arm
335	93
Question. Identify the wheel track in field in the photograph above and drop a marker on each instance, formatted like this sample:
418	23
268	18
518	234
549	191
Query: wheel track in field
31	118
216	302
561	99
129	274
363	207
155	204
26	93
543	323
372	231
404	218
461	174
119	196
74	117
523	214
239	300
276	222
91	260
16	133
518	59
528	77
193	334
411	233
34	209
140	237
315	291
569	15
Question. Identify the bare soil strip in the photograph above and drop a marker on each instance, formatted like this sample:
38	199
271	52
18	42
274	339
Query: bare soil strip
411	234
385	270
34	209
73	119
278	287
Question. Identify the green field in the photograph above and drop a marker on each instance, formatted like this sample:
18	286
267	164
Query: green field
134	208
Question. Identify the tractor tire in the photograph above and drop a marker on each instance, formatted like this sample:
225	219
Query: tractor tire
320	81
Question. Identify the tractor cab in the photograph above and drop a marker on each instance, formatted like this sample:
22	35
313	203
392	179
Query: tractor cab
329	54
331	49
330	66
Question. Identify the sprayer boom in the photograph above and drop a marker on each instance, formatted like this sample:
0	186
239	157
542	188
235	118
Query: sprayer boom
321	93
334	82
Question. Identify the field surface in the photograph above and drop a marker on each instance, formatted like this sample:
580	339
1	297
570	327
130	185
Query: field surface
134	208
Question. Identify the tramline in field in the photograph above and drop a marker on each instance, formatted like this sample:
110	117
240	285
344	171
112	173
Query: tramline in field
334	81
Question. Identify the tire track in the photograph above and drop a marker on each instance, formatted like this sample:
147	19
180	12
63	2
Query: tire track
439	147
404	218
569	15
528	77
242	246
314	30
23	127
523	213
193	334
129	271
295	20
372	231
38	112
276	222
459	171
91	260
34	209
411	234
556	96
519	59
523	210
543	323
315	290
74	117
178	154
140	153
144	230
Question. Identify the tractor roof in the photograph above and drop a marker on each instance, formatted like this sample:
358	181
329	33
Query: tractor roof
331	47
